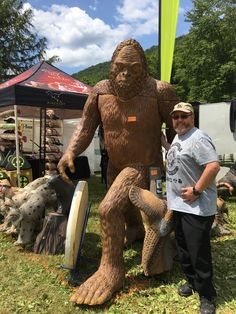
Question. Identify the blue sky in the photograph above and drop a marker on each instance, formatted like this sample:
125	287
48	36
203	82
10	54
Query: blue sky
85	32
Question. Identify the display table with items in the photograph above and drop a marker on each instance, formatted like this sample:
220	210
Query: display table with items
8	163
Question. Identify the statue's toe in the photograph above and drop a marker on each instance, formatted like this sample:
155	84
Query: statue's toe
99	288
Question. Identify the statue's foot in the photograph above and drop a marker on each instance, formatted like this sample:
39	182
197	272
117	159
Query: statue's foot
19	243
134	233
149	203
11	230
100	287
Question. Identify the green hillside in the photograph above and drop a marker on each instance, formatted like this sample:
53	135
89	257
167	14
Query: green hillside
99	72
93	74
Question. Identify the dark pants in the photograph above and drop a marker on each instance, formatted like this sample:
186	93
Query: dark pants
194	249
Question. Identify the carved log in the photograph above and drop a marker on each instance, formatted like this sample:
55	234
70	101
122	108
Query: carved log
51	240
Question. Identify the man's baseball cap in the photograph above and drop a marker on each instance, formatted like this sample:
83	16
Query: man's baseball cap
184	107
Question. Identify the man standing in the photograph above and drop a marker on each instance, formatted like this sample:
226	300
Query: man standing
192	166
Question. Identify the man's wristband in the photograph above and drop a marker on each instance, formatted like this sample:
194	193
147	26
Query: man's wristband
196	192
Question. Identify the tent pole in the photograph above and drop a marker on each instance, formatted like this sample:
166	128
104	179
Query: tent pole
17	147
40	144
33	125
44	140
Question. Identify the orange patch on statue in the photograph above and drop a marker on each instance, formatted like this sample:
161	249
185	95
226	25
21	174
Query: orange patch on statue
132	119
153	172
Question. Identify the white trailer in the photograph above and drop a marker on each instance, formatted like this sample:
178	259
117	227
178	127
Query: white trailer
218	120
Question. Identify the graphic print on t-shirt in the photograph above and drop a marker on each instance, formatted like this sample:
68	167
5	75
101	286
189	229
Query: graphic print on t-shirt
173	159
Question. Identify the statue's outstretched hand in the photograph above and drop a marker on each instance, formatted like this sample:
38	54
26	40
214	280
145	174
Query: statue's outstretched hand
67	160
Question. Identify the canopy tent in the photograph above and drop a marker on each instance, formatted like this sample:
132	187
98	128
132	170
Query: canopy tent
45	86
40	87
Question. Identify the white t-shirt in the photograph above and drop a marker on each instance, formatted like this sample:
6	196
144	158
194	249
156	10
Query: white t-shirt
185	163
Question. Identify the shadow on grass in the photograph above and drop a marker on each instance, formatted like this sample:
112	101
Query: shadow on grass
138	285
88	261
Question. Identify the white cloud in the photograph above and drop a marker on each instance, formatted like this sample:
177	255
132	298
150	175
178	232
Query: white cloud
81	41
137	10
75	37
141	14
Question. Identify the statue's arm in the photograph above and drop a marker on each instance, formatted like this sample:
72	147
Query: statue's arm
167	99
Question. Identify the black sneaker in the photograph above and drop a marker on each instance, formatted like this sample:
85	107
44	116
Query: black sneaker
207	306
186	290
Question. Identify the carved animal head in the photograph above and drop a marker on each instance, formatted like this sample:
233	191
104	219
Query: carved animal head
64	192
6	205
14	216
128	69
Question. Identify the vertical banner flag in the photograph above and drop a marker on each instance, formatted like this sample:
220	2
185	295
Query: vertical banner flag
167	28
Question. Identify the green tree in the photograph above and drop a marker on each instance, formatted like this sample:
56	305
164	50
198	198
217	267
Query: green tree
20	46
151	56
205	59
94	74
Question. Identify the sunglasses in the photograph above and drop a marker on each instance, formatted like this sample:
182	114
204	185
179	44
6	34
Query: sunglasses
181	116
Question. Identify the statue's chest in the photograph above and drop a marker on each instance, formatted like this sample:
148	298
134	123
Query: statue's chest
138	111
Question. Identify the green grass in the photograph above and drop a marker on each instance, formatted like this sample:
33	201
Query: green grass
31	283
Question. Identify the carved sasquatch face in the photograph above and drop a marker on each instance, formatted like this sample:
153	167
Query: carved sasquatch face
127	73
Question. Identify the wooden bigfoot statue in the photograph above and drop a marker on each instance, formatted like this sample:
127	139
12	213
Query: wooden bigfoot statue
131	106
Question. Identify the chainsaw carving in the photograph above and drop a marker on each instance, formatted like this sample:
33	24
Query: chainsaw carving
32	212
24	209
226	186
131	106
157	256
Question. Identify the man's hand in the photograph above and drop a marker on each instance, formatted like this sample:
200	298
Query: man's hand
187	194
67	160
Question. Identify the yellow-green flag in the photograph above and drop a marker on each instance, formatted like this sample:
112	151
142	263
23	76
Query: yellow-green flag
169	16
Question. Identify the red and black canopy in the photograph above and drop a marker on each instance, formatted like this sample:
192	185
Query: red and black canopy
43	85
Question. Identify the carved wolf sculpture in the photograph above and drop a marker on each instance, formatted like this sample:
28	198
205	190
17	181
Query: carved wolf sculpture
23	209
131	106
32	212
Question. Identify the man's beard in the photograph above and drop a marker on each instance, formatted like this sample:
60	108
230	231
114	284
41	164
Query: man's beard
179	130
183	128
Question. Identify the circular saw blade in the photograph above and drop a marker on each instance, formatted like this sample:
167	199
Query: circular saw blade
76	220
